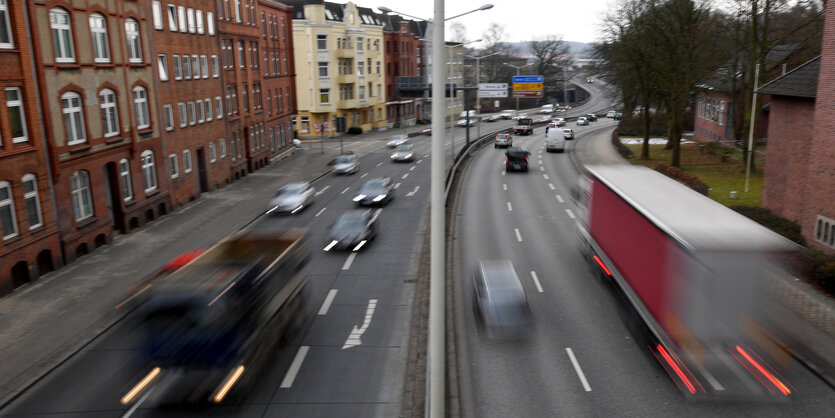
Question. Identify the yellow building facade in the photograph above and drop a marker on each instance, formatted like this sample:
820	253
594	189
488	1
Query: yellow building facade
339	69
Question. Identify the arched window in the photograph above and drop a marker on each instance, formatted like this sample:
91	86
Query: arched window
73	118
33	202
149	170
140	102
109	115
59	21
124	177
134	41
8	222
98	29
82	200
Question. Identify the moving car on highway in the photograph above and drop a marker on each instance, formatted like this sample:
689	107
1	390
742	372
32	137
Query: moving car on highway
291	198
397	140
352	230
516	159
503	140
500	303
403	153
377	191
345	164
568	133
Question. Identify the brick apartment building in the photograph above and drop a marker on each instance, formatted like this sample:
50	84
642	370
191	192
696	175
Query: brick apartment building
715	115
185	47
401	60
96	89
279	82
30	244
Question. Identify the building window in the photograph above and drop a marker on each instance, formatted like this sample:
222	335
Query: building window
181	107
212	152
172	17
162	65
191	114
210	23
169	117
237	11
241	55
361	93
324	96
124	175
222	148
825	231
178	68
134	41
360	68
244	98
199	17
359	44
73	118
59	21
5	26
181	18
305	125
195	66
219	106
149	173
187	67
173	166
322	42
323	69
82	200
109	115
140	102
215	68
207	105
98	29
187	161
17	119
8	222
204	66
200	118
157	10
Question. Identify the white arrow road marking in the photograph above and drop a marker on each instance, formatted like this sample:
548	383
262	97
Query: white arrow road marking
294	367
349	261
320	212
412	193
578	369
536	281
323	190
570	213
326	305
559	198
354	339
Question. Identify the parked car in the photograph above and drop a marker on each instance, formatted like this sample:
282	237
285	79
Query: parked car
507	113
499	300
291	198
581	121
568	133
345	164
403	153
503	140
352	230
397	140
377	191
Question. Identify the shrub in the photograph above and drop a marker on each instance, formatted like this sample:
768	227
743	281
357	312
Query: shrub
354	130
788	229
623	150
687	179
821	270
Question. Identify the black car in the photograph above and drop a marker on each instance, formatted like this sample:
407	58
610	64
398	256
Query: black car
377	191
516	159
591	117
352	230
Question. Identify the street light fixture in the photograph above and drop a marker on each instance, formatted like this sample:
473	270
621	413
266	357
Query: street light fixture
517	74
385	9
478	84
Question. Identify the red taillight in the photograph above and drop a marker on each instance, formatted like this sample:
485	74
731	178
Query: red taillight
526	159
507	160
763	370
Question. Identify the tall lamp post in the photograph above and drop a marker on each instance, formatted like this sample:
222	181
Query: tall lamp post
451	94
435	347
517	67
478	83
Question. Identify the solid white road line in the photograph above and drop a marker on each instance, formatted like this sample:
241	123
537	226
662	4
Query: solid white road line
552	186
327	303
363	175
545	176
405	175
536	281
509	207
559	198
504	186
570	213
320	212
349	261
578	369
294	367
323	190
346	189
518	235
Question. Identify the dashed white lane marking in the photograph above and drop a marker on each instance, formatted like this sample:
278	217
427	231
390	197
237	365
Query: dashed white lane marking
504	172
287	382
363	175
379	164
541	168
412	168
323	190
545	176
426	156
559	199
354	338
419	161
346	189
326	305
570	213
405	175
320	212
536	281
349	261
552	186
518	235
504	186
396	185
578	369
509	207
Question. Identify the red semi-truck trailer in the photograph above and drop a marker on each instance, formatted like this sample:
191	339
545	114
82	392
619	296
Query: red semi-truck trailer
691	270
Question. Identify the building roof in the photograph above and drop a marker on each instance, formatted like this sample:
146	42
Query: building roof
800	82
721	78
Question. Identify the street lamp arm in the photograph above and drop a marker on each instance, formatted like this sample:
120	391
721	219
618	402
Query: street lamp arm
483	56
485	7
385	9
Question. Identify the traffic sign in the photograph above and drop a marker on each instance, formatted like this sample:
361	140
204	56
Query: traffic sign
527	86
528	79
527	93
492	93
492	86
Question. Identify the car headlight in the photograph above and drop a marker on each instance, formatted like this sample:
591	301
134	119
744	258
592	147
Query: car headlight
359	197
393	156
409	155
379	198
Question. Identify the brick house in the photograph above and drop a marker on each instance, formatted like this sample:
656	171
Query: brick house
30	244
401	60
279	78
96	89
715	114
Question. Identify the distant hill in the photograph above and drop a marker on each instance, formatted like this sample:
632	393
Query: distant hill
573	47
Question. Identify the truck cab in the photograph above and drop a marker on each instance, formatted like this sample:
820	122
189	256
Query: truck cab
524	126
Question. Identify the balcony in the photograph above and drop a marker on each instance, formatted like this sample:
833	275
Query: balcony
346	53
346	78
346	104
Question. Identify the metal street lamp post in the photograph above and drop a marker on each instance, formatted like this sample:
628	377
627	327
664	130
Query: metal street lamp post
517	74
478	83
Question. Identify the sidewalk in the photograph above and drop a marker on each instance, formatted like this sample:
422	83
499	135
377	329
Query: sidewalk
43	324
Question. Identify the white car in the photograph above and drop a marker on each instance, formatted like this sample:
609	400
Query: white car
345	164
507	113
397	141
291	198
554	139
581	121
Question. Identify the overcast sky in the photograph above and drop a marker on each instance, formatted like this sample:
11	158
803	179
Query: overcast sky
523	20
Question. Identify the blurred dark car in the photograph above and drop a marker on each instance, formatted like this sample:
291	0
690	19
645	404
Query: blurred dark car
516	159
403	153
345	164
499	301
352	230
291	198
377	191
591	117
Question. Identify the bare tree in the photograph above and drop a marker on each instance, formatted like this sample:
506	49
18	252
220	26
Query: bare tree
459	32
552	62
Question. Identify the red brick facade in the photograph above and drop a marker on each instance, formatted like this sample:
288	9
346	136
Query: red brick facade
30	243
278	70
400	61
714	118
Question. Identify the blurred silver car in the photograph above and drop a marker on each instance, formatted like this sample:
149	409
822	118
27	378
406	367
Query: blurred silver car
403	153
291	198
397	140
377	191
345	164
352	230
500	303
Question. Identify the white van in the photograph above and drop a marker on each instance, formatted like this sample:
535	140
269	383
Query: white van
554	139
549	108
